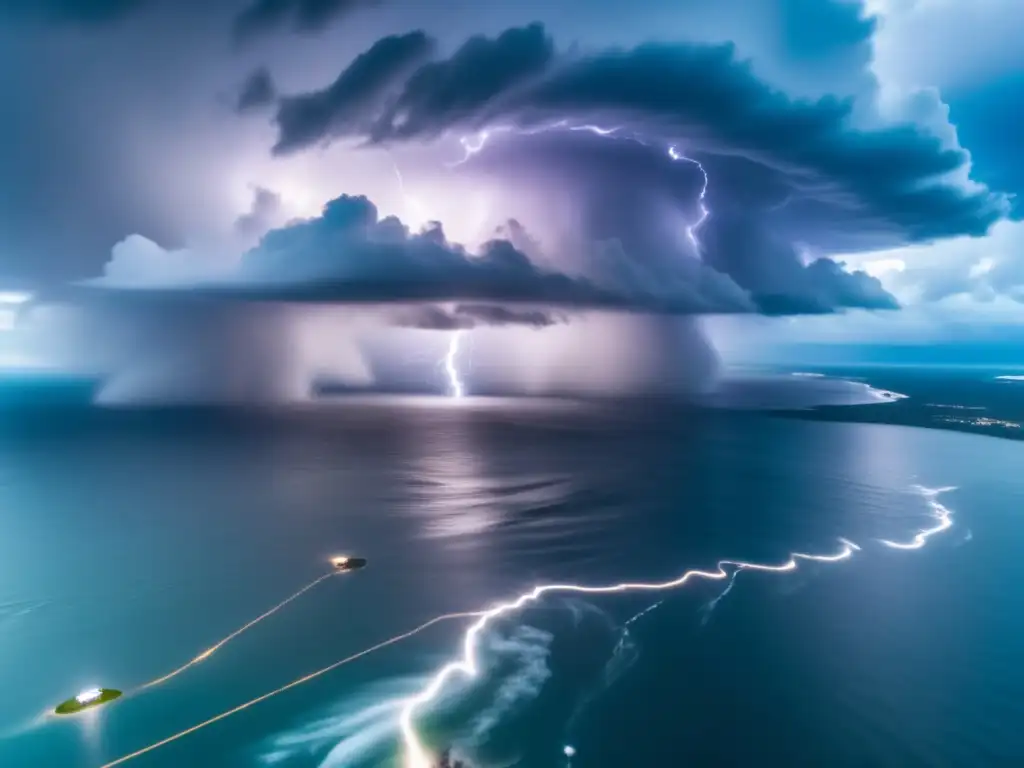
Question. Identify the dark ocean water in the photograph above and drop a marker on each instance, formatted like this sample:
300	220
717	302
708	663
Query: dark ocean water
131	542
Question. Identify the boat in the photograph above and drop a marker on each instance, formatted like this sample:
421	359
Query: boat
344	563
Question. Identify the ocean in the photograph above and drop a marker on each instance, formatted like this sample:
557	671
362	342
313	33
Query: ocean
130	542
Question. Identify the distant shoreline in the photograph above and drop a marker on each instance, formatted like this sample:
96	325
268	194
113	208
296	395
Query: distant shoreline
876	414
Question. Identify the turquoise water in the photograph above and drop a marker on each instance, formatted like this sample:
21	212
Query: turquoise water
129	543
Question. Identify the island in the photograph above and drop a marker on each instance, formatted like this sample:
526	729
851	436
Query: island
88	699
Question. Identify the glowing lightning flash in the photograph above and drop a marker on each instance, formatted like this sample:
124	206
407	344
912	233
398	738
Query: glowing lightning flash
455	386
413	205
474	145
467	666
691	231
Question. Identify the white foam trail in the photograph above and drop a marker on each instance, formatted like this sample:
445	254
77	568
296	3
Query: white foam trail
643	613
623	657
942	514
710	607
532	648
363	727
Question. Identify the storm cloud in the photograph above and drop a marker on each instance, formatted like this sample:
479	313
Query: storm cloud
257	91
635	205
662	137
344	106
889	183
351	255
466	316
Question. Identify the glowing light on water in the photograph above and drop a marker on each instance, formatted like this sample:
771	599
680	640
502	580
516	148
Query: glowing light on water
88	696
942	514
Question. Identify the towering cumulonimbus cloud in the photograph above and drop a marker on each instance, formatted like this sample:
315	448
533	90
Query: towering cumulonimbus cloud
826	184
300	306
350	255
675	166
636	209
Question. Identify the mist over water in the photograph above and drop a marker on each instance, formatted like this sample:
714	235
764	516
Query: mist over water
180	526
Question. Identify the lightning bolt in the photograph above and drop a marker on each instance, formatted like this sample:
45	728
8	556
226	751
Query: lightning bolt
474	144
412	204
456	388
467	666
691	230
943	516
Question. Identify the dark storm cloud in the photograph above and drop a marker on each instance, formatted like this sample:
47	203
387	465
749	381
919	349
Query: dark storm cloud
884	182
635	193
825	286
304	16
467	316
489	314
349	255
450	89
80	11
342	108
444	93
257	91
266	205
